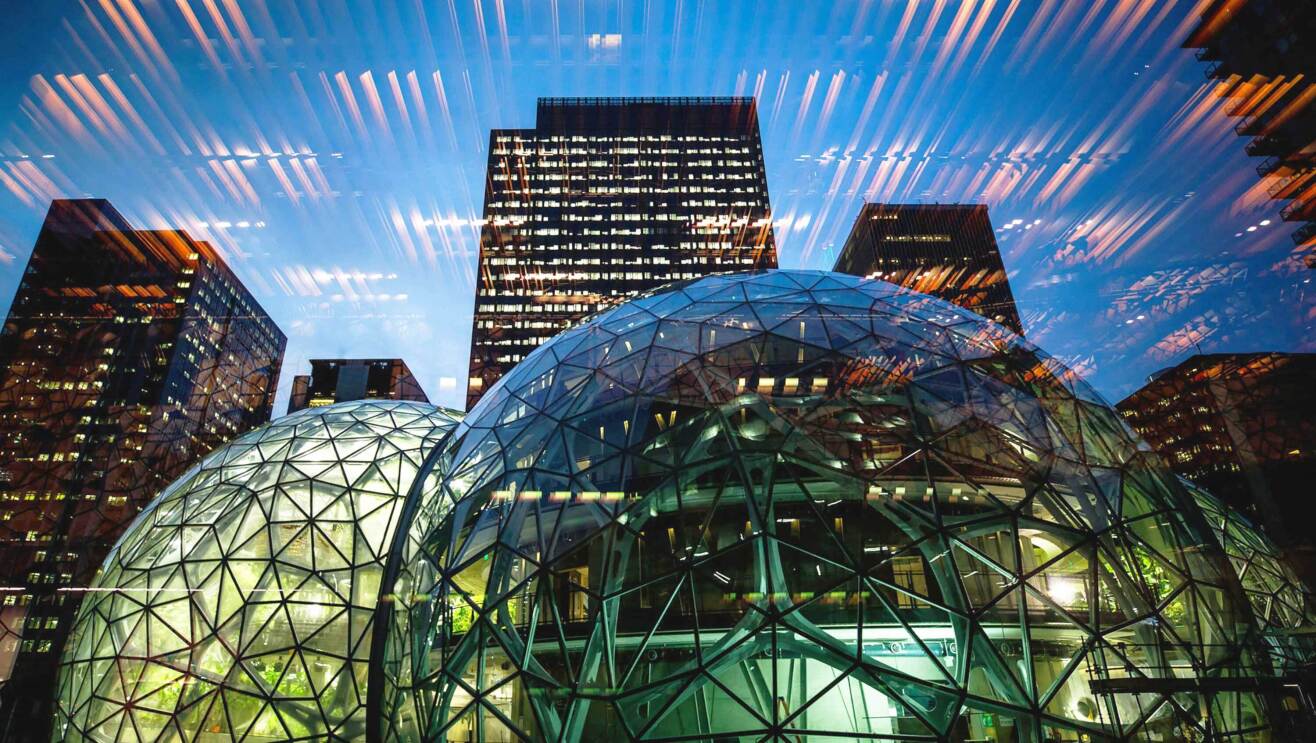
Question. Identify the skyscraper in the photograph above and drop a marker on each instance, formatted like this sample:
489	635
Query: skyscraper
1244	427
605	198
946	250
1263	52
125	357
341	380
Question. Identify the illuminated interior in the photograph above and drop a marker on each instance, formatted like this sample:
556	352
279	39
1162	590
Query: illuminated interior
238	606
805	504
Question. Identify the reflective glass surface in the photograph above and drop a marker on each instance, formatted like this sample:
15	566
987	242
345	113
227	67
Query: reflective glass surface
1281	603
805	506
238	605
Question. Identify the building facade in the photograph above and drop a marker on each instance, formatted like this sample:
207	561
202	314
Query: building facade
603	199
946	250
343	380
1263	54
1244	427
126	355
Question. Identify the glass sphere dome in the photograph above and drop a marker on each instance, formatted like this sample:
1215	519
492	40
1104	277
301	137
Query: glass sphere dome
803	506
238	605
1283	606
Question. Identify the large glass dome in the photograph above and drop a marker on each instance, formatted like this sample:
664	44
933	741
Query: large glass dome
239	604
804	506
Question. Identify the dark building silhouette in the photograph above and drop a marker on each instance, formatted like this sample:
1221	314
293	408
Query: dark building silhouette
1263	52
946	250
605	198
125	357
1243	426
340	380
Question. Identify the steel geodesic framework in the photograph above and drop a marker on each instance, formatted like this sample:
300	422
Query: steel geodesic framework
804	506
238	605
1281	603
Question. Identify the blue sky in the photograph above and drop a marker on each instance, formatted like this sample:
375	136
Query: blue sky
335	150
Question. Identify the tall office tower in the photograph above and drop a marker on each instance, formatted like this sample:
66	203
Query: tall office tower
1244	427
125	357
605	198
1263	52
340	380
946	250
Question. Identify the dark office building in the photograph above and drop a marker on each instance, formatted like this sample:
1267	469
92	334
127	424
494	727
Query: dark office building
340	380
1244	427
1263	52
946	250
605	198
126	356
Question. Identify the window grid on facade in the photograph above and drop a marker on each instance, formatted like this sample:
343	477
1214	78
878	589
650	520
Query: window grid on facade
605	198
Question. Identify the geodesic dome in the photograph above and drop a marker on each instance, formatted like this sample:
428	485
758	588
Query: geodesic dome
1283	606
803	506
238	605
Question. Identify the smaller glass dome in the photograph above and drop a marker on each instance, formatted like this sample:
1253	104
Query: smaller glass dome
1280	602
239	603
